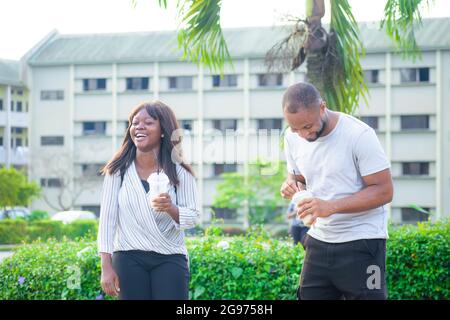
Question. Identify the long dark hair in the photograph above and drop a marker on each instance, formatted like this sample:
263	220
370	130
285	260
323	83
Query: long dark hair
127	152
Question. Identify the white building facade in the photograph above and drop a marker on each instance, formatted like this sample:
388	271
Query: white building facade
82	88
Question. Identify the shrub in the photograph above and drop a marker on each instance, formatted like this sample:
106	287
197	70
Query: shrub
82	229
45	229
254	266
12	231
37	215
18	231
418	261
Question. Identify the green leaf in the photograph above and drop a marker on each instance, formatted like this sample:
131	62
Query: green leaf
236	272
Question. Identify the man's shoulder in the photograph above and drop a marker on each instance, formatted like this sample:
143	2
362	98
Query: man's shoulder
353	125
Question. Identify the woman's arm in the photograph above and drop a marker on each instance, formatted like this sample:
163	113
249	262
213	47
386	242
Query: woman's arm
109	209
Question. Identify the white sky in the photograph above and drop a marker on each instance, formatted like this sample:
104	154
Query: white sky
24	22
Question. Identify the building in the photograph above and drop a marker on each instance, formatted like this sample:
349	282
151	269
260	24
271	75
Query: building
13	116
82	88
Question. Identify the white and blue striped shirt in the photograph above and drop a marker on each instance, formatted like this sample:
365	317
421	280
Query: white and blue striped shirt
128	222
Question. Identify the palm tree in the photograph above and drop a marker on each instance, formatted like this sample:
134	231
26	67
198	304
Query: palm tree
332	56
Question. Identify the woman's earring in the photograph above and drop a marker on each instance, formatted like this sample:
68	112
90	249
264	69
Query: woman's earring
162	136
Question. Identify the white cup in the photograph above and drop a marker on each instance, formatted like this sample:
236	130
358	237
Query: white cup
158	183
300	195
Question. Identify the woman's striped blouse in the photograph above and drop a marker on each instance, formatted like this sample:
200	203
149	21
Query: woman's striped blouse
128	222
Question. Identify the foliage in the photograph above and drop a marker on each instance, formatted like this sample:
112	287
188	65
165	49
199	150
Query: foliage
18	231
259	190
254	266
15	190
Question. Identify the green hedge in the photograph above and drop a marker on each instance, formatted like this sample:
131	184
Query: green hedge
18	231
252	267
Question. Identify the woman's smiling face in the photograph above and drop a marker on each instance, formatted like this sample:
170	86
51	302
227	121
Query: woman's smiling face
145	131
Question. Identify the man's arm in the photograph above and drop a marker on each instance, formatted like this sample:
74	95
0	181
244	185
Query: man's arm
291	185
378	191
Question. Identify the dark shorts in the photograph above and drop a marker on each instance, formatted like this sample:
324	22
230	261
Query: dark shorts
349	270
148	275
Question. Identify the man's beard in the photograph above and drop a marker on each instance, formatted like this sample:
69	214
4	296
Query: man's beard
321	130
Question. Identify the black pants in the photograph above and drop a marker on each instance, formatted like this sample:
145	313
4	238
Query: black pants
349	270
147	275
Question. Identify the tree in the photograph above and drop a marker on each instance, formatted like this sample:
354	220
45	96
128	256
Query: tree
332	56
260	191
15	190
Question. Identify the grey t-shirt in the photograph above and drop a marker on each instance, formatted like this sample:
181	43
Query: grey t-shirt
333	167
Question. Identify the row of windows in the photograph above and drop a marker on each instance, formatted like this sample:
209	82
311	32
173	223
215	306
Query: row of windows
15	142
407	75
17	106
416	122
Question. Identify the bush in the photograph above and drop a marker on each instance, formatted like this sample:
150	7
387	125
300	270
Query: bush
12	231
37	215
254	266
18	231
45	229
418	261
82	229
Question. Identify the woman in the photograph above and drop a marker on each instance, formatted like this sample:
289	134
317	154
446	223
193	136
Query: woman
141	242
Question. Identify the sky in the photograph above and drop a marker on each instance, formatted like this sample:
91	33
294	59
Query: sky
23	23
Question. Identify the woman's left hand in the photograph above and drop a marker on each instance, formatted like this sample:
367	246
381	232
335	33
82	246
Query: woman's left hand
163	202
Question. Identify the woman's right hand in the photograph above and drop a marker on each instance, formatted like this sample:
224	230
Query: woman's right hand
110	281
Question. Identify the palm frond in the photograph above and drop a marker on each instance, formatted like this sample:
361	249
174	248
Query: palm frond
200	34
401	19
346	84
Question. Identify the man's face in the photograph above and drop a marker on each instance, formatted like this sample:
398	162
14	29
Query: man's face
308	123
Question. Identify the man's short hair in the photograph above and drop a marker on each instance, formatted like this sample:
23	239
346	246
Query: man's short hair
301	95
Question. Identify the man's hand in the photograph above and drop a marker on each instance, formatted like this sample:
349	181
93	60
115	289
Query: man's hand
318	208
290	187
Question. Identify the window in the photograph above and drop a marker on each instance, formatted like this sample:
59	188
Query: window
19	106
137	83
19	142
90	128
408	75
224	125
1	141
415	122
19	92
180	83
94	84
94	209
270	80
91	169
186	125
51	182
17	130
269	124
371	76
52	95
410	215
220	168
225	213
415	168
371	121
229	80
52	141
1	104
12	105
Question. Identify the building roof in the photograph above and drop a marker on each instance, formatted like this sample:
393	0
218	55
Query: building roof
242	42
10	72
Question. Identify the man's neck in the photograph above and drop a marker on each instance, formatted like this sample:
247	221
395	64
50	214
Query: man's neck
332	119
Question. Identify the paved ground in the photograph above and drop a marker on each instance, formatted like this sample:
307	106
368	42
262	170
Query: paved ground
5	254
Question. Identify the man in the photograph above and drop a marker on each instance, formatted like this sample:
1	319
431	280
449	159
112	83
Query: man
342	163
